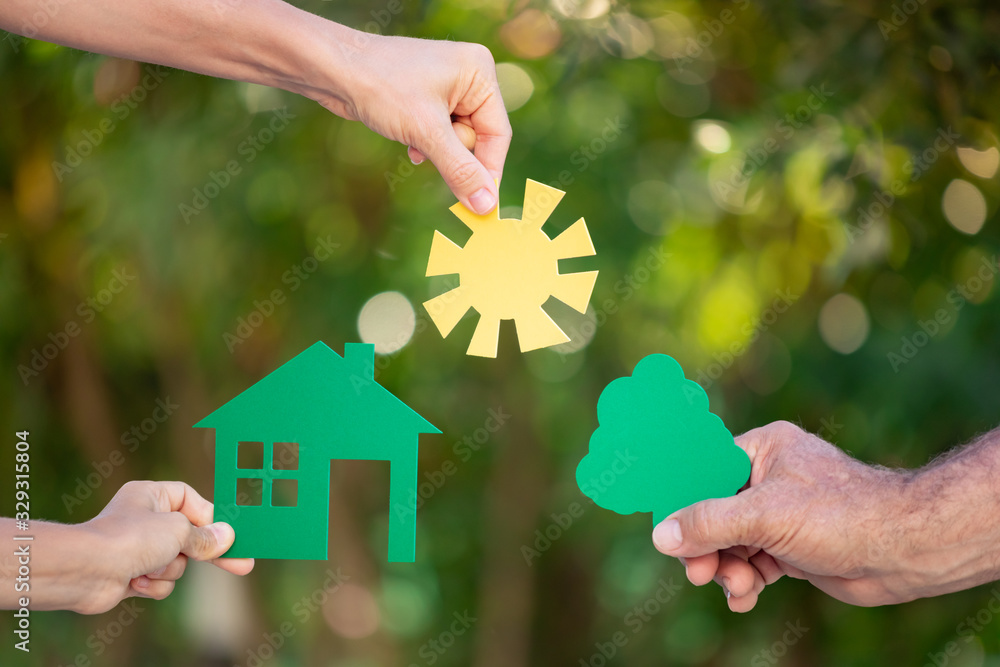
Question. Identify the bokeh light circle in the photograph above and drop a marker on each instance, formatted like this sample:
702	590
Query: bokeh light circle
843	323
387	320
983	163
653	205
964	206
351	611
712	136
516	86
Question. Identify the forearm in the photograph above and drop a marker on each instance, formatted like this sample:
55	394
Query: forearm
61	567
952	537
261	41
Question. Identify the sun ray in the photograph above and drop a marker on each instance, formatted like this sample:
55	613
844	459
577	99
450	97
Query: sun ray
485	337
446	256
535	330
573	242
448	308
472	220
574	289
539	202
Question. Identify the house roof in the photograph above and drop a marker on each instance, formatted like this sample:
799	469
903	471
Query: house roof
320	394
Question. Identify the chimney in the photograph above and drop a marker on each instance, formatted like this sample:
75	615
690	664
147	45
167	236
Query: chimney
360	359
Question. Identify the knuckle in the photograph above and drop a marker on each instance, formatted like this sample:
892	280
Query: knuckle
176	569
162	590
430	132
179	526
785	431
699	524
99	603
133	487
784	426
745	524
462	172
479	54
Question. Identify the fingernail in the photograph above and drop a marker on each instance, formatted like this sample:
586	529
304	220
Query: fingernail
141	582
483	201
223	532
414	161
725	586
667	535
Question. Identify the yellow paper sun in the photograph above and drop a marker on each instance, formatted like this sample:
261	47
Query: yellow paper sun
507	270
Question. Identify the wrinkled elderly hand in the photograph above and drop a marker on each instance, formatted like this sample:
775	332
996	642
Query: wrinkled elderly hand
865	535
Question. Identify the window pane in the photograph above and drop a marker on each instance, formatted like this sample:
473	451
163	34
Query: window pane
249	492
285	493
250	456
286	456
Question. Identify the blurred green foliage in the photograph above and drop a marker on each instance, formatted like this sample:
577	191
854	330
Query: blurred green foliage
737	140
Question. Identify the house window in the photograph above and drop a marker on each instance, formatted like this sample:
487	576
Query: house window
286	456
250	455
267	474
249	492
285	493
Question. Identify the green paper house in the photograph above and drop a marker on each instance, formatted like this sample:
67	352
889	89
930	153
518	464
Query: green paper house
275	441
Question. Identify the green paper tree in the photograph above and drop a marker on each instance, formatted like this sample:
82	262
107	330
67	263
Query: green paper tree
657	447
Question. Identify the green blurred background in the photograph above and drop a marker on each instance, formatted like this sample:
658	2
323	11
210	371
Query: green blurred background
738	140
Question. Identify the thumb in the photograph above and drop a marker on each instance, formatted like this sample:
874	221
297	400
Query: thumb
466	176
208	542
708	526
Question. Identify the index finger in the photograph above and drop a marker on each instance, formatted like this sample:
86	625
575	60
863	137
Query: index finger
493	131
181	497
